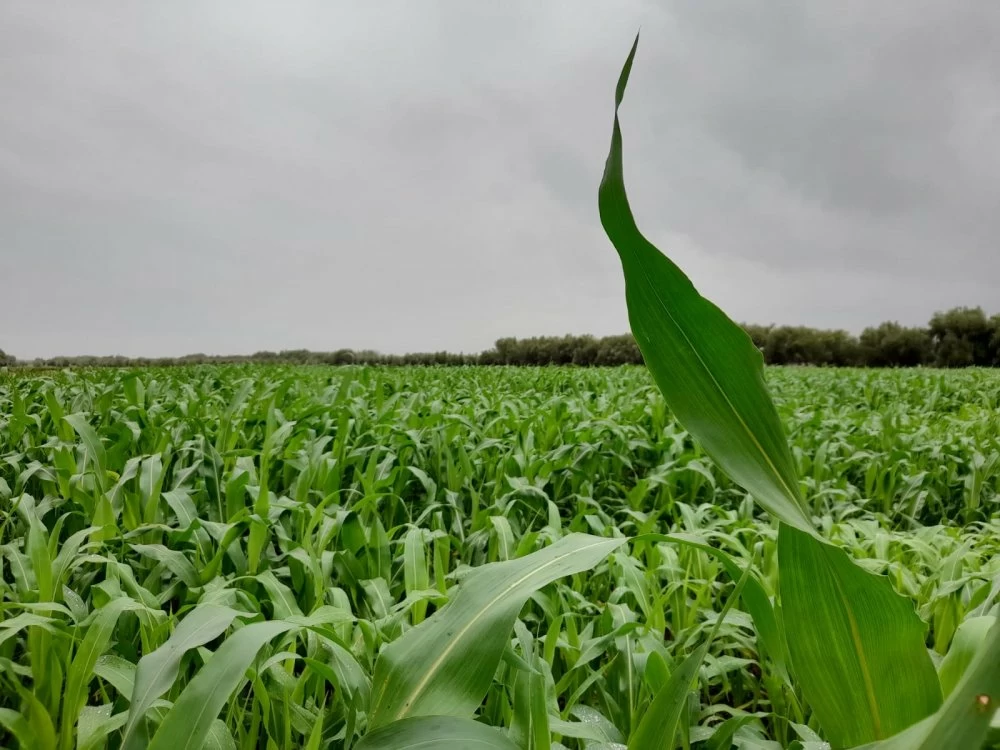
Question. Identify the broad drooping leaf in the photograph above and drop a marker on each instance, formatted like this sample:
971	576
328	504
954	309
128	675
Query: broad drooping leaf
444	666
845	627
706	366
857	648
969	713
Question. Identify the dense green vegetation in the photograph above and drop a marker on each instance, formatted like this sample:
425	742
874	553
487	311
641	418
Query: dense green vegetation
133	501
961	337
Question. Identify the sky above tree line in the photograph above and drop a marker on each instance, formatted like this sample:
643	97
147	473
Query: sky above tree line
229	177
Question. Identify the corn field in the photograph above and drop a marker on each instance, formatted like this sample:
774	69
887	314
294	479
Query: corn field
162	514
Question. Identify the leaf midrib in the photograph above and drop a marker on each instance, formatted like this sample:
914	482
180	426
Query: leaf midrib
166	665
616	153
873	708
436	664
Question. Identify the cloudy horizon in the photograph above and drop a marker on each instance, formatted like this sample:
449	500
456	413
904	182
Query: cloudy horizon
226	178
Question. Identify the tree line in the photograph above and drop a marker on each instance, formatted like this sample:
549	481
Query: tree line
960	337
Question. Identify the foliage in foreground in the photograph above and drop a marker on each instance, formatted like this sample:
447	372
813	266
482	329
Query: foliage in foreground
854	645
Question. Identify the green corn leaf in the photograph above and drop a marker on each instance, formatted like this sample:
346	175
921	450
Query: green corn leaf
173	560
67	553
316	735
219	737
438	732
444	666
91	443
968	639
16	624
964	721
82	667
722	738
711	376
118	672
41	561
151	477
95	724
754	597
529	726
41	730
706	366
17	725
157	671
415	573
188	722
282	598
857	647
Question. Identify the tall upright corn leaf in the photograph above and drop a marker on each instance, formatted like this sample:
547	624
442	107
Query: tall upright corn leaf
968	641
189	720
658	728
445	664
157	671
844	627
706	366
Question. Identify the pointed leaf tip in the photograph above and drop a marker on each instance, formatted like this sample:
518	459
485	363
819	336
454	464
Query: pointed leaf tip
626	71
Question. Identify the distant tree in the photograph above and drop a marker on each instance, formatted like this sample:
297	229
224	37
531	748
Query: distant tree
793	345
342	357
845	349
758	334
5	359
954	338
586	350
952	350
995	341
893	345
618	350
962	336
504	350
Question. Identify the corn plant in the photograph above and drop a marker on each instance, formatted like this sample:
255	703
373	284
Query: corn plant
388	489
856	646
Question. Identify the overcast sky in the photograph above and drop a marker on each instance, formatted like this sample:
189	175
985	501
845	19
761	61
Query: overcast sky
225	177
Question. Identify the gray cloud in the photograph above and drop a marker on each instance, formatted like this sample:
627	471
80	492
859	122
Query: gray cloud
228	177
